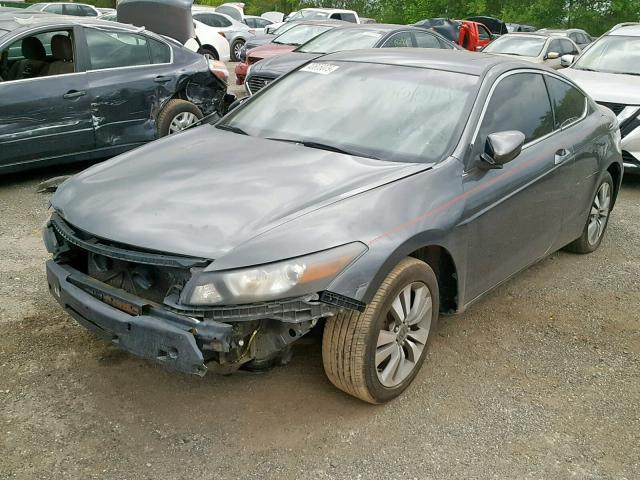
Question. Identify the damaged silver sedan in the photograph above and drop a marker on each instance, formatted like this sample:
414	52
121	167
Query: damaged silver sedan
367	190
78	88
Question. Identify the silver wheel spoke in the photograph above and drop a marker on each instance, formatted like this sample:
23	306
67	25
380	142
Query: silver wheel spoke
386	337
397	311
414	351
599	214
402	340
389	372
420	336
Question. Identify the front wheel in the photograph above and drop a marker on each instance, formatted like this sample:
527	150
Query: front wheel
376	354
236	48
176	116
598	220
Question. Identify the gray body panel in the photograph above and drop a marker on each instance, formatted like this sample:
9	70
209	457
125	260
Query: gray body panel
256	201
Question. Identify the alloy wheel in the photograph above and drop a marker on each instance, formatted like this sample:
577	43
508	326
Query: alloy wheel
599	213
404	334
237	48
182	121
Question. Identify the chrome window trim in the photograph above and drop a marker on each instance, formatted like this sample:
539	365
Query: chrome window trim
539	72
47	77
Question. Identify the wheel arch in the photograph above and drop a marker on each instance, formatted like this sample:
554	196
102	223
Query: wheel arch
208	46
439	257
615	170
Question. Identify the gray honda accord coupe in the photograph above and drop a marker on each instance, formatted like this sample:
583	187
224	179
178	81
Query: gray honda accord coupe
366	192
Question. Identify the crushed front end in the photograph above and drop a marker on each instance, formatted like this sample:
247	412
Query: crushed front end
131	297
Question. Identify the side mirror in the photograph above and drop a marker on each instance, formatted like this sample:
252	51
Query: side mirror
553	55
567	60
501	148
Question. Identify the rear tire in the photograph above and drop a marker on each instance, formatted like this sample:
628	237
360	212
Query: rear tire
236	46
175	116
356	346
597	220
209	53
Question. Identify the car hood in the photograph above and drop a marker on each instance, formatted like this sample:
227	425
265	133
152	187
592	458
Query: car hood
283	63
205	191
607	87
270	50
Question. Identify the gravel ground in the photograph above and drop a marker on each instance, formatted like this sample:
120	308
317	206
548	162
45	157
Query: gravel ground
538	380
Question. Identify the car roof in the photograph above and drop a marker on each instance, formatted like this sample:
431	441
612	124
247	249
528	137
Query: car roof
15	19
627	30
458	61
329	10
380	27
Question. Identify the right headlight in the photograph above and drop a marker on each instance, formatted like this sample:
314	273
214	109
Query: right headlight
289	278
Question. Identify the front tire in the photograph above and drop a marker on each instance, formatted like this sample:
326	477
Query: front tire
236	46
375	355
175	116
210	53
598	219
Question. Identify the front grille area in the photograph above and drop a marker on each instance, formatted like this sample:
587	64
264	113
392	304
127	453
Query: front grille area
614	107
628	158
258	82
148	275
629	126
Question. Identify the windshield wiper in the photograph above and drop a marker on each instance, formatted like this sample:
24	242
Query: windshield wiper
204	119
231	128
324	146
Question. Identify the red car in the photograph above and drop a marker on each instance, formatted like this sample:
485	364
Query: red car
474	36
285	43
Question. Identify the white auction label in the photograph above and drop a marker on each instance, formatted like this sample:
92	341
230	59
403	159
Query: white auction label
321	68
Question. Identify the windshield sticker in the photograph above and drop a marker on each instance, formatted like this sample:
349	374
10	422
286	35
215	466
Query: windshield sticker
321	68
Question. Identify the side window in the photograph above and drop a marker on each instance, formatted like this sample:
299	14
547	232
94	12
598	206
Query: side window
483	33
75	10
116	49
251	22
349	17
568	48
425	40
508	109
568	102
262	22
160	53
221	21
54	8
399	40
41	55
88	11
555	46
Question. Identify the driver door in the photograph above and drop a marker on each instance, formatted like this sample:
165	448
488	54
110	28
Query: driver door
46	115
514	215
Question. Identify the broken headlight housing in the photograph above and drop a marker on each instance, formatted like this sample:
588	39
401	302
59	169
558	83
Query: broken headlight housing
285	279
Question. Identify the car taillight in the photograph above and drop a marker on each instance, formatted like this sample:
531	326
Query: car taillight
222	34
219	69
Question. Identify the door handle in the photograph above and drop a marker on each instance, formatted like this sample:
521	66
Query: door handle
162	79
71	94
562	155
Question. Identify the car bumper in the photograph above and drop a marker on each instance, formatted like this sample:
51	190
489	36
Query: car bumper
241	73
134	325
631	151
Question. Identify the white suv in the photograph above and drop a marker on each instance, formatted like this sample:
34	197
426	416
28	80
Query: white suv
311	14
609	71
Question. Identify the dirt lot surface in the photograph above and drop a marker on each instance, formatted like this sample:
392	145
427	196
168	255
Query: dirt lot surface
539	380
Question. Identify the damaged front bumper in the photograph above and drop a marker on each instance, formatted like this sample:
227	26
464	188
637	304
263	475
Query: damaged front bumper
179	340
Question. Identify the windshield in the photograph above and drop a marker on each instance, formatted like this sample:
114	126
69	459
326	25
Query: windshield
284	28
301	34
516	45
389	112
310	15
612	54
338	40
